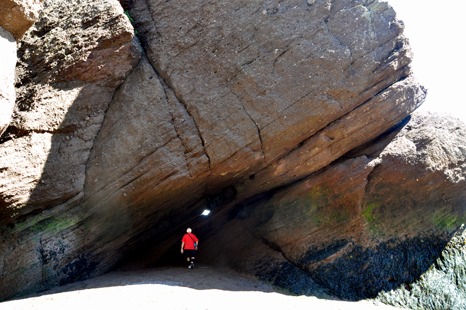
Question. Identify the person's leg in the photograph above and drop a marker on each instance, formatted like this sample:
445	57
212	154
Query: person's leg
193	255
189	258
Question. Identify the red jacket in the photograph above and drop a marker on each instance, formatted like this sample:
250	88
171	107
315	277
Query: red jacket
189	240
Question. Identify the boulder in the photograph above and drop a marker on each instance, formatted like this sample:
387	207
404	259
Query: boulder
265	96
235	103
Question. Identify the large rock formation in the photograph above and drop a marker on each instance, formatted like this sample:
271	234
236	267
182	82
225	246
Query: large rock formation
239	106
70	63
369	222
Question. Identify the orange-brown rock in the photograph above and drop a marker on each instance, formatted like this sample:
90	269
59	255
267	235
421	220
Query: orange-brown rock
17	16
70	63
249	108
371	221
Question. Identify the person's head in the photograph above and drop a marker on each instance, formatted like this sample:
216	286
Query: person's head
189	230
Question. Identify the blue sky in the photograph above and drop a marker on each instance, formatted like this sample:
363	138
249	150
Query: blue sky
437	35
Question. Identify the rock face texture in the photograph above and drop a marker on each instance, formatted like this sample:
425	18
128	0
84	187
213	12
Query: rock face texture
280	75
70	63
443	286
257	110
66	78
371	221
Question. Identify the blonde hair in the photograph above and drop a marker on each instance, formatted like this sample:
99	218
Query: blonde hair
189	230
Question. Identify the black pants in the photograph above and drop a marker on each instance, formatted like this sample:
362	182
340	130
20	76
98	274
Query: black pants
190	253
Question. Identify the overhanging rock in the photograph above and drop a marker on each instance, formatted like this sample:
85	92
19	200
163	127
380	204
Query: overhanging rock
231	100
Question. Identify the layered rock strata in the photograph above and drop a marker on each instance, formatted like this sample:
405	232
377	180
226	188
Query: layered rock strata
372	221
230	102
270	94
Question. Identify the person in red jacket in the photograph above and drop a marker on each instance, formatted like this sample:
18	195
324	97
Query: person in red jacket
189	245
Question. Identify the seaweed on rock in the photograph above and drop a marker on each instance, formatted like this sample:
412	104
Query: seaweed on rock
443	286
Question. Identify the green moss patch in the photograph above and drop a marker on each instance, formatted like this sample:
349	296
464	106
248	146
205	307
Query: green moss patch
49	225
373	224
444	218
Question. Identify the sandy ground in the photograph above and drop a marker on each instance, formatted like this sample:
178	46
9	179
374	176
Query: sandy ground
178	287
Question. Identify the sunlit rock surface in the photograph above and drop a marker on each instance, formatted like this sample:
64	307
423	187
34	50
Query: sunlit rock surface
268	113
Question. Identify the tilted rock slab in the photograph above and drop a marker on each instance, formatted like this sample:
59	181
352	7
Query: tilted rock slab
232	99
269	93
370	222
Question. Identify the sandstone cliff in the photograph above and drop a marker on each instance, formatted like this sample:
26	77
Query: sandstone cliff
245	107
